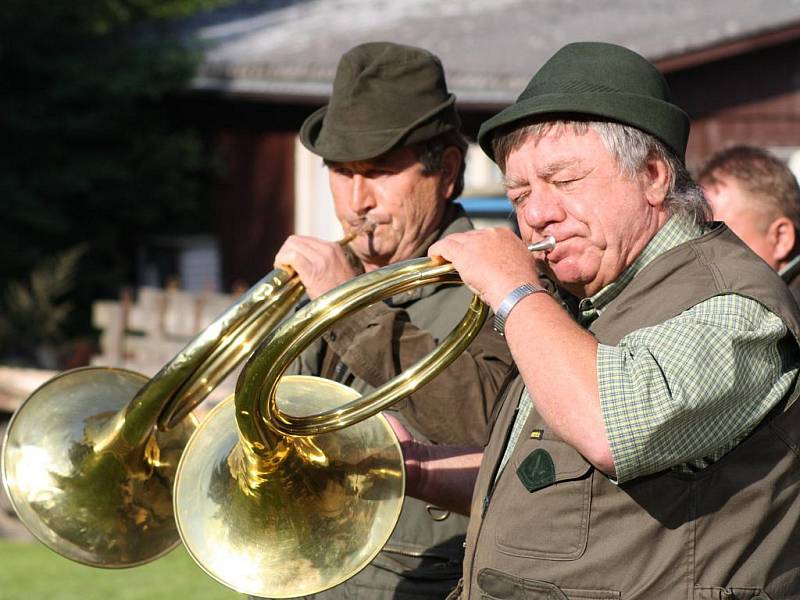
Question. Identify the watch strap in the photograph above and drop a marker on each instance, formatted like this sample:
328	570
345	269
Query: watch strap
511	300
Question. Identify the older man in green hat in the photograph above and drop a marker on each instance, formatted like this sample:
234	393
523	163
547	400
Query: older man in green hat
389	137
649	450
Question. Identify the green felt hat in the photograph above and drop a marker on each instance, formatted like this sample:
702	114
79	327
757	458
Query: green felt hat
384	96
596	79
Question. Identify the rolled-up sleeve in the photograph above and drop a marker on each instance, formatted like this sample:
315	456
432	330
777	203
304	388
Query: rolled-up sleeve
683	393
455	407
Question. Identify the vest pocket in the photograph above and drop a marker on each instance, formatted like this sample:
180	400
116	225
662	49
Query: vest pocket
718	593
495	585
541	503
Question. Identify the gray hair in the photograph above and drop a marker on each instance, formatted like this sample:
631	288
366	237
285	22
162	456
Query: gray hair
630	147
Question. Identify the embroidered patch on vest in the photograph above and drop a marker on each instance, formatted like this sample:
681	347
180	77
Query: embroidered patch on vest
537	470
537	434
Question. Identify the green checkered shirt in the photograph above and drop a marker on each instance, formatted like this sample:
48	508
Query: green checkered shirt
683	393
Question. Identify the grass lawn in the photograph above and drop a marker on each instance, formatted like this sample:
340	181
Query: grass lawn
29	571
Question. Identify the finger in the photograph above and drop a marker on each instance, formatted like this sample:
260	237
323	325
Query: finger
306	251
287	253
446	248
399	430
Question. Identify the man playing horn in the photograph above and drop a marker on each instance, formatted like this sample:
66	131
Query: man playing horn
390	140
650	450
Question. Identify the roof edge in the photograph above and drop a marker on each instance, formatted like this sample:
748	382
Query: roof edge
729	49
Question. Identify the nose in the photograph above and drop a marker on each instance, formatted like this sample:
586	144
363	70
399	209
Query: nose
541	209
363	196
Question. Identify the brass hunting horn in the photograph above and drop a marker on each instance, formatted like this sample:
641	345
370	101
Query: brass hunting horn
305	491
89	458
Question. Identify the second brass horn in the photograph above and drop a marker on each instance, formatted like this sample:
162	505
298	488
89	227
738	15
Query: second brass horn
305	491
89	458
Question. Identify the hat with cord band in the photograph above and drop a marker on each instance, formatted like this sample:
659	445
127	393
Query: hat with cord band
597	79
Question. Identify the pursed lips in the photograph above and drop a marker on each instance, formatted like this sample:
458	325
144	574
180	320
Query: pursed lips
363	227
558	252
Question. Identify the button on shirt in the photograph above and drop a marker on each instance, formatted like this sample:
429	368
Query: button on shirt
683	393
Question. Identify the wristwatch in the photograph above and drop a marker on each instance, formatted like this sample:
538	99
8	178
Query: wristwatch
510	301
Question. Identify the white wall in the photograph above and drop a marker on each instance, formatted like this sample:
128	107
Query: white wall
313	213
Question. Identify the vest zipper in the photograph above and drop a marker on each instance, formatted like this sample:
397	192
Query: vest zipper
495	471
492	482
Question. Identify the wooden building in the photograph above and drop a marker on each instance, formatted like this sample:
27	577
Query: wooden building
733	66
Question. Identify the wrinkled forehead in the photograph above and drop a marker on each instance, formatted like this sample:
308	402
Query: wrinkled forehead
533	131
399	158
568	147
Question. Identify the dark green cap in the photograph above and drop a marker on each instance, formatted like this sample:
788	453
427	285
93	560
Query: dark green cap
385	96
596	79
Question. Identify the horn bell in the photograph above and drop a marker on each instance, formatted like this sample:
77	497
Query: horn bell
295	519
79	488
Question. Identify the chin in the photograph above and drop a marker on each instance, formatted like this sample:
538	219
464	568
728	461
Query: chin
378	246
375	258
569	275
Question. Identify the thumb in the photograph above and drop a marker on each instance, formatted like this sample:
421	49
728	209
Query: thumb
413	454
399	429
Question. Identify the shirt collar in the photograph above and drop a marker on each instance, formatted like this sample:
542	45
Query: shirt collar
675	231
790	269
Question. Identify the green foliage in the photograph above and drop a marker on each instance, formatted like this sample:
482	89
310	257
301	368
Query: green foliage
31	571
92	152
35	312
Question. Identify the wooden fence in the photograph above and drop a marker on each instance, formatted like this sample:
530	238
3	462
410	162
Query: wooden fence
145	332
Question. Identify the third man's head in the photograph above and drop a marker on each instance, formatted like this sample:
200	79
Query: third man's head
757	196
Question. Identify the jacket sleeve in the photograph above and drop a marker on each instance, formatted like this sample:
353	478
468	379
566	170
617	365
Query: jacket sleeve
456	407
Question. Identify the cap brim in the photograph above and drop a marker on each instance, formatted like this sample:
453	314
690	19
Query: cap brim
309	130
660	119
347	146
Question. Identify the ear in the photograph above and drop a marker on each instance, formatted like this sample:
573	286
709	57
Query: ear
451	165
655	180
781	236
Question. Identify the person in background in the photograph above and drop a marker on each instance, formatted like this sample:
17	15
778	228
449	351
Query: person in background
758	197
390	139
649	450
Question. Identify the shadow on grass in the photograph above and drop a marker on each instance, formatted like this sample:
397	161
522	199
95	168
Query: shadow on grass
32	572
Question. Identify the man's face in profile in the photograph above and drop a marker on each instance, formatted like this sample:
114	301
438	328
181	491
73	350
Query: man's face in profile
393	194
733	205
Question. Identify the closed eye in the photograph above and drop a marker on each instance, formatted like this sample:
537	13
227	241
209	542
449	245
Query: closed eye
375	173
518	199
562	182
342	171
